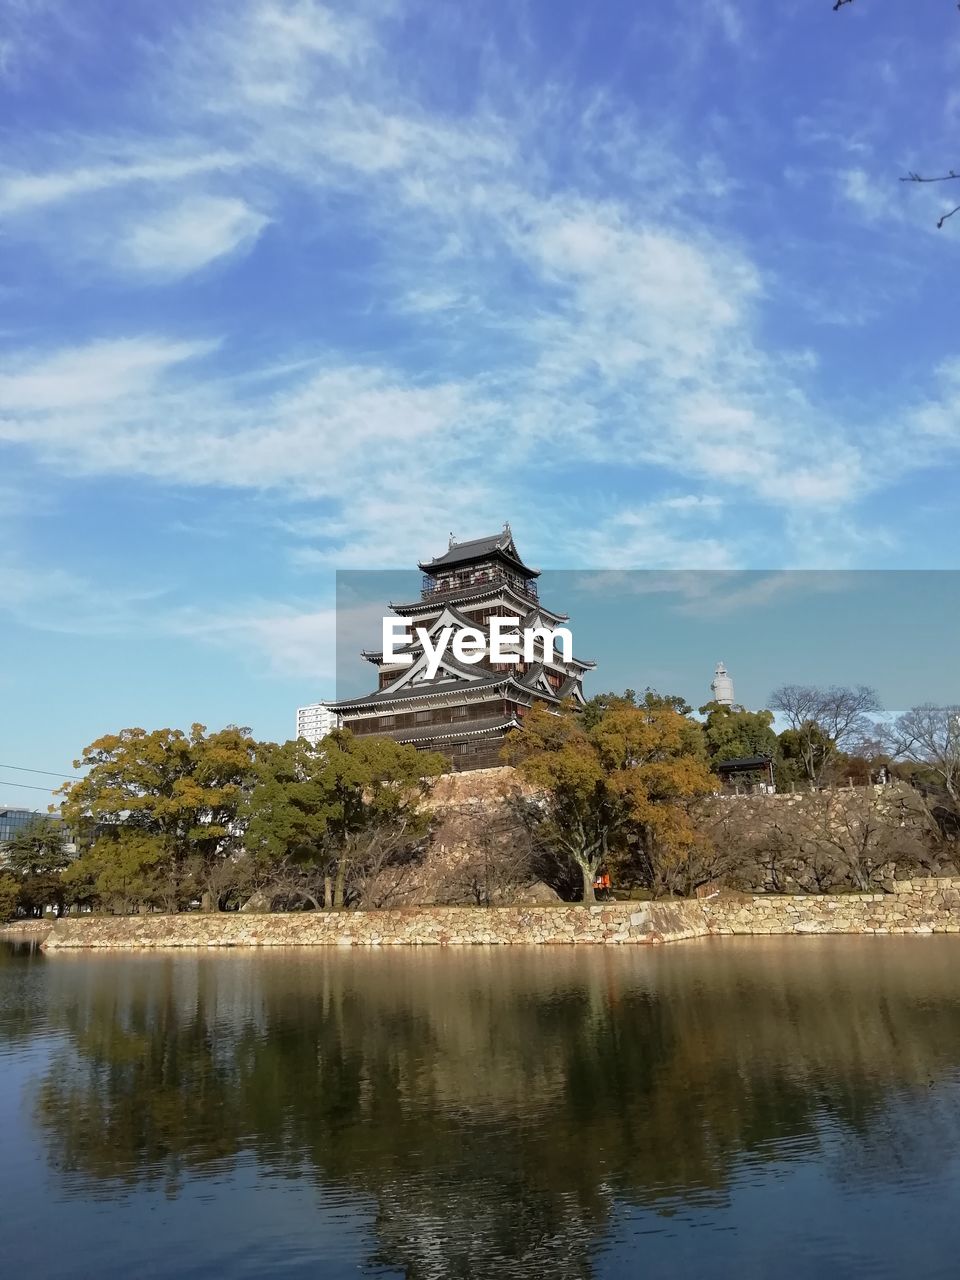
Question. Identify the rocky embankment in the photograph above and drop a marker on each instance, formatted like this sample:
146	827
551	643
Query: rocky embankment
916	907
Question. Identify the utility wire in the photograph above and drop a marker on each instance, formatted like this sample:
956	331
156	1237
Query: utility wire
25	785
23	769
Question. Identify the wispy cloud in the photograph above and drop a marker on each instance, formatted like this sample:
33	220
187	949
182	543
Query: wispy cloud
71	380
199	230
25	192
546	318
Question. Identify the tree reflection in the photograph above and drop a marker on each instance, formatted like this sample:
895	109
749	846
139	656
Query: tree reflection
498	1106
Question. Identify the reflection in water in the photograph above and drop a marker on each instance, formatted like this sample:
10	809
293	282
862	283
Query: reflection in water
506	1112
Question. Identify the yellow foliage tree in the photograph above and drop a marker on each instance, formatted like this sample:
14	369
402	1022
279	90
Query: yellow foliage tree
614	795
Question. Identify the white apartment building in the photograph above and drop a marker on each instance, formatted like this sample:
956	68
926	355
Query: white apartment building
316	721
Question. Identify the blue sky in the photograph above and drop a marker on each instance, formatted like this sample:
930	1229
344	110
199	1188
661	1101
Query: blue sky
288	287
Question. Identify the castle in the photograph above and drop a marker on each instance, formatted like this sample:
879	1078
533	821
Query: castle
465	710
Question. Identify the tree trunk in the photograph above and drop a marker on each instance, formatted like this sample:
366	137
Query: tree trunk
338	885
327	893
588	892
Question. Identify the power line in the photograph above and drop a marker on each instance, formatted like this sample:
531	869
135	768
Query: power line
26	786
23	769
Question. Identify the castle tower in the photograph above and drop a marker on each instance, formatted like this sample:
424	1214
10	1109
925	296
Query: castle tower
465	712
722	686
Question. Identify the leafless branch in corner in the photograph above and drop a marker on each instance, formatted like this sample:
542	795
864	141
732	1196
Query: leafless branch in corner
916	177
840	3
942	177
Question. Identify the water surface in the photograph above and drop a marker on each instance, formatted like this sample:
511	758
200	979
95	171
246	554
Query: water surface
727	1107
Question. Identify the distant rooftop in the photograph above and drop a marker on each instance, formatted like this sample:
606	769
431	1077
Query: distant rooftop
742	762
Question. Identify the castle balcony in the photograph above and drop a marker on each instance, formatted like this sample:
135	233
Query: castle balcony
438	588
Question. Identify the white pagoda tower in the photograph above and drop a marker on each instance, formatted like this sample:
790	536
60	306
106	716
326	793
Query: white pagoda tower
722	686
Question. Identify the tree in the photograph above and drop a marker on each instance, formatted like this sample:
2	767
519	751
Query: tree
825	720
732	733
324	822
36	856
853	838
9	897
595	708
484	853
653	698
124	870
166	802
929	736
611	794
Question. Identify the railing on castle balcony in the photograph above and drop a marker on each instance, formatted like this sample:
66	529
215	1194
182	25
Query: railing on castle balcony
433	587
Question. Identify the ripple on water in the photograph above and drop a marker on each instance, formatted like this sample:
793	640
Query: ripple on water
788	1109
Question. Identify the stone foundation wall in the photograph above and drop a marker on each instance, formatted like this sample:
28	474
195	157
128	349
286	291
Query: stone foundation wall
917	907
641	922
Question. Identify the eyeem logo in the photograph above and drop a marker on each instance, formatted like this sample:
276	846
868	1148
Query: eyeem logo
505	643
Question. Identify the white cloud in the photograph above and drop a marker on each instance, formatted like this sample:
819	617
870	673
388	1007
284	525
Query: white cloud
22	193
295	643
706	592
729	18
663	534
872	198
74	379
176	241
58	600
544	324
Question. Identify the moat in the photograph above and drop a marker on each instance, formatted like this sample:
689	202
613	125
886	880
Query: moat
725	1107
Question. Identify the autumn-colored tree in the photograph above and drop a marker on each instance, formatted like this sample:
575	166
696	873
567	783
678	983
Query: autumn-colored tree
159	813
613	794
325	822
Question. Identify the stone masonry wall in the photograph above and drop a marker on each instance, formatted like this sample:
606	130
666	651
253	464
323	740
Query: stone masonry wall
620	922
917	907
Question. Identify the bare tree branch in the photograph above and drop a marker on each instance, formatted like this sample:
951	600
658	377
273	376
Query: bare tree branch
916	177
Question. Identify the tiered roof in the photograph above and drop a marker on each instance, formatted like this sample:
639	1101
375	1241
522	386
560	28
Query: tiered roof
509	581
498	546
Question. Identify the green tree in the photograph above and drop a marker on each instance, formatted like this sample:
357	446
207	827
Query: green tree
36	857
612	794
325	823
732	733
9	897
124	870
167	802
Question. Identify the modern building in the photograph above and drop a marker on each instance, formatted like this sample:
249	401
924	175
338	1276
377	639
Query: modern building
14	820
465	710
316	721
722	686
